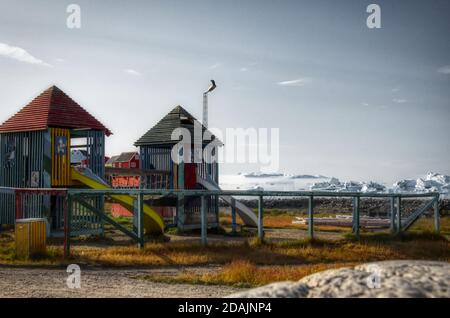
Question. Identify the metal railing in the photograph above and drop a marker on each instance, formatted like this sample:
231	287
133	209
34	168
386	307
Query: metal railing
397	226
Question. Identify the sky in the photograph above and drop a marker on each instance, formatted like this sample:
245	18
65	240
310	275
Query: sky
349	101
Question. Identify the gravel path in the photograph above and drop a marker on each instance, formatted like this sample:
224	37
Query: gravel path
44	282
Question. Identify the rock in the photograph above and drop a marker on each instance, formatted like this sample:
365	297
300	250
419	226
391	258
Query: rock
403	279
276	290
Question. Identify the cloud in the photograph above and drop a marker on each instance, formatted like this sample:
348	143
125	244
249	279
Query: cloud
60	60
214	66
444	69
394	90
247	67
400	100
132	72
295	82
365	104
19	54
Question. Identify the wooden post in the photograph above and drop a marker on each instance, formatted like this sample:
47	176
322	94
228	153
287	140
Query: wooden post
311	217
233	215
19	213
356	203
204	221
392	223
437	222
180	201
260	218
67	218
140	221
399	216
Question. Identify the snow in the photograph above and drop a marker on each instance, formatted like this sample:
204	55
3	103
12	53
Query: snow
432	182
283	182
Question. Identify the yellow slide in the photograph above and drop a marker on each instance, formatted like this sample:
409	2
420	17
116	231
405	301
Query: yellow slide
153	223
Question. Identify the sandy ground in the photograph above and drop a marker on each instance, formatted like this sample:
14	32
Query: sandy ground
51	282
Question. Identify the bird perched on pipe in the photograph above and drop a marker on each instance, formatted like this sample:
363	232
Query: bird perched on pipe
211	87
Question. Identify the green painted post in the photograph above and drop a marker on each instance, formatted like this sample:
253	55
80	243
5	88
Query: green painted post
399	216
233	215
260	218
437	221
392	223
140	221
68	211
204	221
180	201
356	210
311	217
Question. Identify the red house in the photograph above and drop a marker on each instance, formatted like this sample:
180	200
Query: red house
127	160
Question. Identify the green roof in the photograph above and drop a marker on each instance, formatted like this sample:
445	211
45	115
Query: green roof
161	133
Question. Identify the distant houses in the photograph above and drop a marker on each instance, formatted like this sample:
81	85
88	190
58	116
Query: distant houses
126	160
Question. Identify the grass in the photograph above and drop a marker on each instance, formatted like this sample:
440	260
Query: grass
249	263
242	264
245	274
280	219
369	248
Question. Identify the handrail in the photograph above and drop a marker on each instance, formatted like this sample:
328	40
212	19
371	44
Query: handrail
253	193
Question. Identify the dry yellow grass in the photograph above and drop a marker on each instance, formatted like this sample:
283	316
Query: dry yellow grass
285	222
300	252
246	274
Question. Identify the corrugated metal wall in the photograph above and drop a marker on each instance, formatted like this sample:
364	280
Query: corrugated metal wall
22	166
96	152
159	158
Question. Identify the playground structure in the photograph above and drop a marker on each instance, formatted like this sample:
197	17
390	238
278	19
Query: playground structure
36	171
37	179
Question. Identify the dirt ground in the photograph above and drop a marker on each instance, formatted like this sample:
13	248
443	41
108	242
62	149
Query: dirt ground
99	282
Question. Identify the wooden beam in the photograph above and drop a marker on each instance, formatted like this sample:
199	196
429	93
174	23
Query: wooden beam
399	216
437	222
260	218
106	218
204	220
140	216
356	211
311	217
392	215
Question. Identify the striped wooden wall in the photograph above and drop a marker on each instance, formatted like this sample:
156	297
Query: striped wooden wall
60	162
22	165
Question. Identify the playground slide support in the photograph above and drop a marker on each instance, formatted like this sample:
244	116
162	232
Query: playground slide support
260	217
204	220
311	217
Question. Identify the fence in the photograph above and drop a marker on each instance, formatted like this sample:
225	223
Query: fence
397	225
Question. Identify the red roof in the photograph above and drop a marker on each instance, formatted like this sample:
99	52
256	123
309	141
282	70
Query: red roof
52	108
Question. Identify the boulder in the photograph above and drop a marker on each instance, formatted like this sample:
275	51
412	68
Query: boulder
404	279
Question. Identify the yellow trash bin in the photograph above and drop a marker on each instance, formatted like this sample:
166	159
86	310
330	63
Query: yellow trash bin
30	237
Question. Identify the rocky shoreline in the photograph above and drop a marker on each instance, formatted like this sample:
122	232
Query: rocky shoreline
368	206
